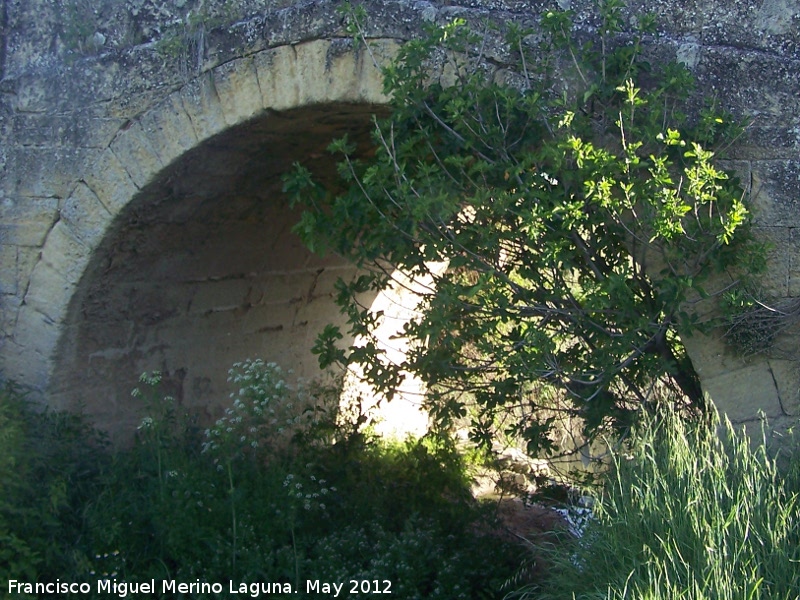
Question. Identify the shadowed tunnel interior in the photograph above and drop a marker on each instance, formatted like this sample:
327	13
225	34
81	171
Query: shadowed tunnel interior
201	269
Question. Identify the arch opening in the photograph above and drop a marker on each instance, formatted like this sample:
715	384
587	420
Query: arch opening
200	269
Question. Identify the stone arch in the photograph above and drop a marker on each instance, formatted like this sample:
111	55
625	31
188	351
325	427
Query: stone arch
152	165
318	72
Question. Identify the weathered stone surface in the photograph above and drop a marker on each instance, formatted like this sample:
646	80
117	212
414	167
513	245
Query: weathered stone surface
111	182
764	141
55	276
134	149
786	375
26	221
769	25
89	129
277	77
202	104
87	218
47	172
780	280
169	129
745	393
237	87
323	74
755	86
35	338
8	264
9	307
17	264
776	201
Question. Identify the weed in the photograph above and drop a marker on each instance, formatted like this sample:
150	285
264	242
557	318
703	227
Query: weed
690	511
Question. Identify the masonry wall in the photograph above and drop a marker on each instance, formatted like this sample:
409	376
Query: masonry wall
141	141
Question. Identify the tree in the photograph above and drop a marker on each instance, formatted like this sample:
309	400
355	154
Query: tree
579	211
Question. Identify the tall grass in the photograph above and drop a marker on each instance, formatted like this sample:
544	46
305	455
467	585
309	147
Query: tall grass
689	511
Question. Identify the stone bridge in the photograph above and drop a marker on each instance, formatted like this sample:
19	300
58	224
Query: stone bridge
141	146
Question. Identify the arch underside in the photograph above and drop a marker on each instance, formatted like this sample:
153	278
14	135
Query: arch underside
201	269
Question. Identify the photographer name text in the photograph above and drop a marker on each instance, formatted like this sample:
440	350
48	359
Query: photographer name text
124	589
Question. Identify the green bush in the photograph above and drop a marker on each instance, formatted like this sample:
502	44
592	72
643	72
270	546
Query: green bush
49	468
693	512
263	496
266	494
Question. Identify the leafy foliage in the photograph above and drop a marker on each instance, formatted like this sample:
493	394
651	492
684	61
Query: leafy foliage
49	464
224	508
578	210
190	504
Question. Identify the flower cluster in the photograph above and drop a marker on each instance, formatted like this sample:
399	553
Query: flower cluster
160	417
310	494
108	564
149	379
263	412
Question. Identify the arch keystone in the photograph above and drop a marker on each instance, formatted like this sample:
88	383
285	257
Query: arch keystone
314	72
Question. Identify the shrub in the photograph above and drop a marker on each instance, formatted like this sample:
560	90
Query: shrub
50	464
186	504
